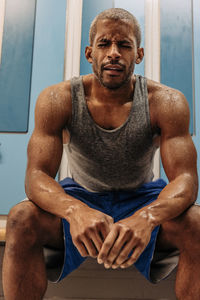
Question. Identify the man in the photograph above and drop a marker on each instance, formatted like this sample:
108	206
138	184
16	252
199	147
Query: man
115	121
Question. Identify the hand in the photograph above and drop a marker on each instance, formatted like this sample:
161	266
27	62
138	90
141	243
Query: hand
89	228
126	241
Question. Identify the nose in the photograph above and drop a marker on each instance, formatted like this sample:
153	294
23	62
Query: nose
113	52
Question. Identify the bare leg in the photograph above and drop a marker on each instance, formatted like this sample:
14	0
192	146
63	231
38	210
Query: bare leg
28	229
184	233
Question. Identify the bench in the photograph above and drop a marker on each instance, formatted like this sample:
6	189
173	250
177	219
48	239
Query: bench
92	281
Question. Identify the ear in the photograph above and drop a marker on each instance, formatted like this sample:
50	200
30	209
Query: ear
140	55
88	54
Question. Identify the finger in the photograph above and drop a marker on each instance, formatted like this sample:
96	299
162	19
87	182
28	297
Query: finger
121	248
134	257
124	254
81	249
107	245
97	240
90	247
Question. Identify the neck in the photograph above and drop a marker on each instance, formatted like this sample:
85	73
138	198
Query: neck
120	95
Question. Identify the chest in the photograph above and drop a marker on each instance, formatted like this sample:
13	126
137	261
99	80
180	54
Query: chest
109	116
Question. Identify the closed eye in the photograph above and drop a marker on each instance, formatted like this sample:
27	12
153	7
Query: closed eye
102	45
124	45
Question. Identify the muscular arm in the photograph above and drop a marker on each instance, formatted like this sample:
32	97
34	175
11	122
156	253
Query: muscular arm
45	151
87	226
179	160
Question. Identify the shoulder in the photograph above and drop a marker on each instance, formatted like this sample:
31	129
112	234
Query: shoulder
169	109
56	95
54	105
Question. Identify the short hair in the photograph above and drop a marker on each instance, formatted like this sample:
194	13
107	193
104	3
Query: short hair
115	14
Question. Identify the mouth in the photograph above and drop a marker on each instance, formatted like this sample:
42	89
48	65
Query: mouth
113	70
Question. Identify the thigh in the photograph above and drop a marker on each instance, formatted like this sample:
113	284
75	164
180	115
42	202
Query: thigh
27	219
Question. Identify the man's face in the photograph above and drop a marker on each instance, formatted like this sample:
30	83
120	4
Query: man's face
114	53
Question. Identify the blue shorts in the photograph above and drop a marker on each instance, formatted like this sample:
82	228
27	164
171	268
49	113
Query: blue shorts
118	205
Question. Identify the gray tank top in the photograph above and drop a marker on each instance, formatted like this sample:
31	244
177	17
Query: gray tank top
110	160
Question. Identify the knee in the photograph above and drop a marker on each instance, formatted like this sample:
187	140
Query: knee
22	223
190	221
185	229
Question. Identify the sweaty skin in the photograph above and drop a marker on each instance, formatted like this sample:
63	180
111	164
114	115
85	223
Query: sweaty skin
109	92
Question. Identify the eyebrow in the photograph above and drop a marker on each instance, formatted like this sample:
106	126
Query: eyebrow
126	42
102	40
120	41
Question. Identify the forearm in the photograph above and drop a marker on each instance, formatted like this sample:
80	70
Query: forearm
45	192
174	199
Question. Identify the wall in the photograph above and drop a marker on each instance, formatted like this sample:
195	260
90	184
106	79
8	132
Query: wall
16	64
47	69
196	136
